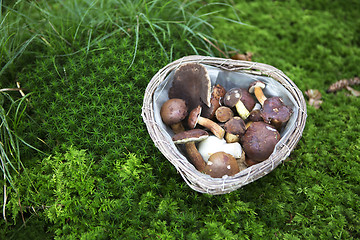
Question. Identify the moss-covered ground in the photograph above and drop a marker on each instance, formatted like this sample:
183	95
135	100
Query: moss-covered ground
105	179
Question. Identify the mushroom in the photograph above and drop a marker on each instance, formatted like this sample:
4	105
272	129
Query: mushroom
255	114
275	112
259	141
195	118
172	112
192	83
223	114
234	128
193	135
213	144
256	88
221	164
188	138
241	100
217	93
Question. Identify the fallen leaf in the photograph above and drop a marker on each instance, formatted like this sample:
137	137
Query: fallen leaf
314	96
245	57
353	91
343	83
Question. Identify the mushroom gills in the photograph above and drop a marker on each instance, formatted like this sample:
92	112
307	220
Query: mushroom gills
191	83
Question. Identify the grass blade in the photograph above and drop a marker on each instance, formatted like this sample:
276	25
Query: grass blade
17	54
136	41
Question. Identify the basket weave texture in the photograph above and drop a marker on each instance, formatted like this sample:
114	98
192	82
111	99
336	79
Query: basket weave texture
201	182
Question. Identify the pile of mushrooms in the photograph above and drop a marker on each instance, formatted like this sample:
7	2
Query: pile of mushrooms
222	132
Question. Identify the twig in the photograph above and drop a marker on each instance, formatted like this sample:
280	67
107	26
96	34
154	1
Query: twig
217	48
20	89
22	213
42	141
338	85
34	210
11	89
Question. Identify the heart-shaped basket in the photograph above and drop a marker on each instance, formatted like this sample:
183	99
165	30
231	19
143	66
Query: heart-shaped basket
228	73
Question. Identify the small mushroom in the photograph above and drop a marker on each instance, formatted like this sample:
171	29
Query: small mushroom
234	128
172	112
195	118
189	138
217	93
241	100
192	83
259	141
213	144
221	164
223	114
256	88
255	114
275	112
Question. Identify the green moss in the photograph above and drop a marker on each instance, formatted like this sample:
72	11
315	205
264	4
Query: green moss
312	44
114	183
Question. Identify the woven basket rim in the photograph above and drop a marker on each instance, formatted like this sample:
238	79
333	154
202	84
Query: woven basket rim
204	183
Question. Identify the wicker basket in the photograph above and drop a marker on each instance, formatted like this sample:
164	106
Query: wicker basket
202	182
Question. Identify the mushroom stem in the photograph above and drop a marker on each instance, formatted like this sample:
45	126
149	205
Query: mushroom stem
248	124
231	138
194	156
189	138
259	94
242	110
212	126
177	127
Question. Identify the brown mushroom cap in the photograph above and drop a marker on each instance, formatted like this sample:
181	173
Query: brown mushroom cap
194	117
259	141
221	164
193	135
275	112
223	114
255	115
188	138
241	99
173	111
192	83
235	94
235	126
